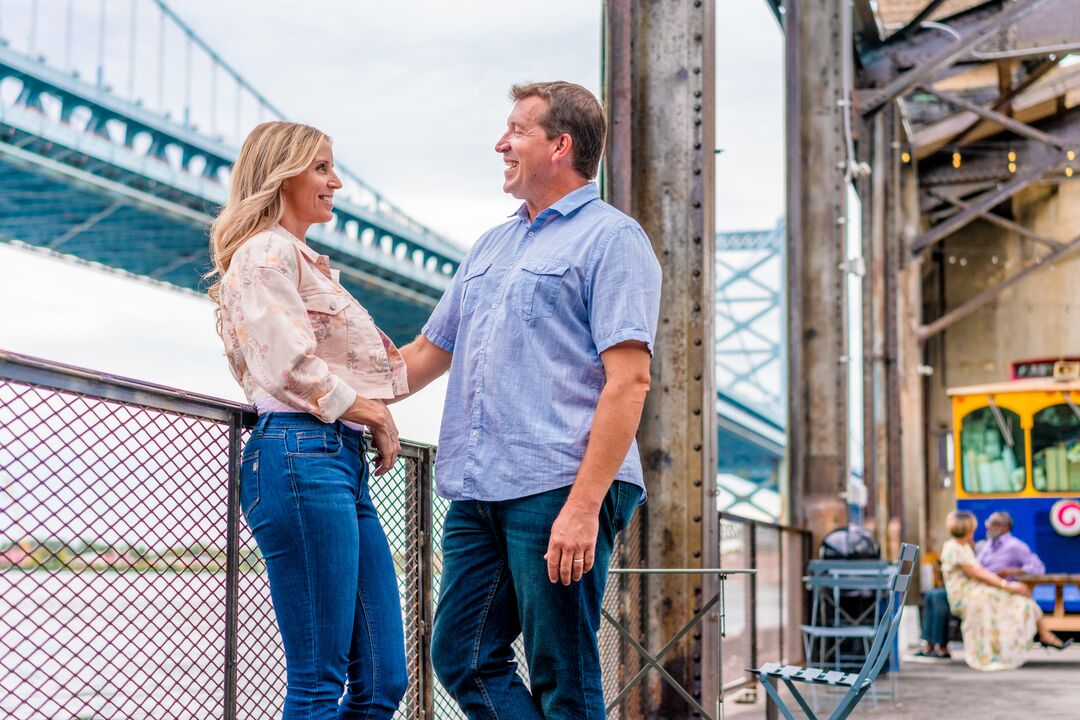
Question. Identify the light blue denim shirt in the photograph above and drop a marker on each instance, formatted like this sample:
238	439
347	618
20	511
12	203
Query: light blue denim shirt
526	317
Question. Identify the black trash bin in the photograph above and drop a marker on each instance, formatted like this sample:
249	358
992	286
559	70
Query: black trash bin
849	543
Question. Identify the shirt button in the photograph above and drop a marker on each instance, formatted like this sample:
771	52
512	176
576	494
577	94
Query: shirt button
532	234
494	306
483	345
474	433
478	389
333	305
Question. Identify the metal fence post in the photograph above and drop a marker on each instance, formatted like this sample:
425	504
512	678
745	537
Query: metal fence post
232	566
424	478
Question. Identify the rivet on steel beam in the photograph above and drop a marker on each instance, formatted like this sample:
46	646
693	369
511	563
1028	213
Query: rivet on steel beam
697	93
697	203
697	483
697	411
697	107
697	171
697	553
697	71
697	377
696	273
697	239
697	146
697	342
697	307
697	447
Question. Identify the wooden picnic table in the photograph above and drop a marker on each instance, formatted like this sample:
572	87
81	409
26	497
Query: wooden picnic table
1059	620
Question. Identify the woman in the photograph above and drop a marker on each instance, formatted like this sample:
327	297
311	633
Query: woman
318	370
998	617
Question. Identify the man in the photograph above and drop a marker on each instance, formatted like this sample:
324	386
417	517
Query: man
1004	554
547	330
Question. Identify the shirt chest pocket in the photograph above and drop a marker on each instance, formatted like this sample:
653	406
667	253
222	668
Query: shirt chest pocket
471	288
326	312
537	288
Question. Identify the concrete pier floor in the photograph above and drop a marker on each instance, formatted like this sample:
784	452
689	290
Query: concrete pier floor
1047	687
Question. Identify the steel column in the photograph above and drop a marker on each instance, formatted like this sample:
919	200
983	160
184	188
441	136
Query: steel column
817	367
668	104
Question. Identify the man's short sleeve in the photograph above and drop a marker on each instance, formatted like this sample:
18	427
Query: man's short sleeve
441	328
624	290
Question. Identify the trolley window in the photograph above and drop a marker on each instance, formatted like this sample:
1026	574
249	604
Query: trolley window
1055	447
992	451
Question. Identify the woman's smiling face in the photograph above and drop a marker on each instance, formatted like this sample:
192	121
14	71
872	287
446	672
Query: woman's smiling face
309	196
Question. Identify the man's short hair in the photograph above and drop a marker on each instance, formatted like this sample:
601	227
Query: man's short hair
1003	518
572	110
960	522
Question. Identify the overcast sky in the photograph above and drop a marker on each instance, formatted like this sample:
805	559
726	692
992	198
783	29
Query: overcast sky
414	96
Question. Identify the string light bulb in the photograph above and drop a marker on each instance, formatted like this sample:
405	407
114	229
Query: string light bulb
956	159
1068	171
905	157
1012	156
1070	155
1012	167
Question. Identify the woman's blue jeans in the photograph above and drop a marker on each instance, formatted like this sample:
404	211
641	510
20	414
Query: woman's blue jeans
304	493
495	586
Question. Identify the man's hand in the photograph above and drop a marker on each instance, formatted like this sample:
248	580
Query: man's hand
572	545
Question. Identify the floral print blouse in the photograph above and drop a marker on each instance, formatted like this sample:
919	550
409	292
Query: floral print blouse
293	333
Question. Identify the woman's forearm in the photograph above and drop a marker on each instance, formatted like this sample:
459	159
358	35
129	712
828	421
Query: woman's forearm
978	572
372	413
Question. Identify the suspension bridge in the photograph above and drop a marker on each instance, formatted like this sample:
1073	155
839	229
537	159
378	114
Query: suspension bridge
118	126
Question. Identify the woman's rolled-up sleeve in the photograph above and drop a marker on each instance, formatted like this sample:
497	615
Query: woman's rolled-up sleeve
278	344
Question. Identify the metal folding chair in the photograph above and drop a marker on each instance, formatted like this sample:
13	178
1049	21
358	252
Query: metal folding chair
856	684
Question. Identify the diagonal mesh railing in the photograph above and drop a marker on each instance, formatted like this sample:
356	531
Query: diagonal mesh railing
131	588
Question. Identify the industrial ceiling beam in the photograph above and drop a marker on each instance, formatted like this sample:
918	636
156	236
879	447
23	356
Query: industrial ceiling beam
1036	74
929	9
1022	129
1001	222
984	203
961	311
903	84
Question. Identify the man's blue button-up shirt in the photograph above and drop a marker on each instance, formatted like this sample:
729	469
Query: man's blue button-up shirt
526	317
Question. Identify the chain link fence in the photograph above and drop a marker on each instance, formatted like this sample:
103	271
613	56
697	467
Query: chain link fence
131	587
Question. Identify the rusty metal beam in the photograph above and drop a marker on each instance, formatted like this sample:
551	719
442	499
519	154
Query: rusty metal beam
817	195
662	85
900	86
984	203
1022	129
982	298
1005	223
1036	74
915	22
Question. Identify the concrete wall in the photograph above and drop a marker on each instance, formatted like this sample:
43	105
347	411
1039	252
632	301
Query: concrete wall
1038	317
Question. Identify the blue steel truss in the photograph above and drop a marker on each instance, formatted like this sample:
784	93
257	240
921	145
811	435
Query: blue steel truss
749	319
87	173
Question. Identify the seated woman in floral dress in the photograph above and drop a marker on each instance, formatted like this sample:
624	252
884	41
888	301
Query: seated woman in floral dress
998	616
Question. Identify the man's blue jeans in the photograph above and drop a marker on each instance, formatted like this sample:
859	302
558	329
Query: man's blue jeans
935	617
495	586
304	492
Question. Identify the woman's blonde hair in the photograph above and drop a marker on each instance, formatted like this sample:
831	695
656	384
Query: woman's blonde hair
272	153
960	523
